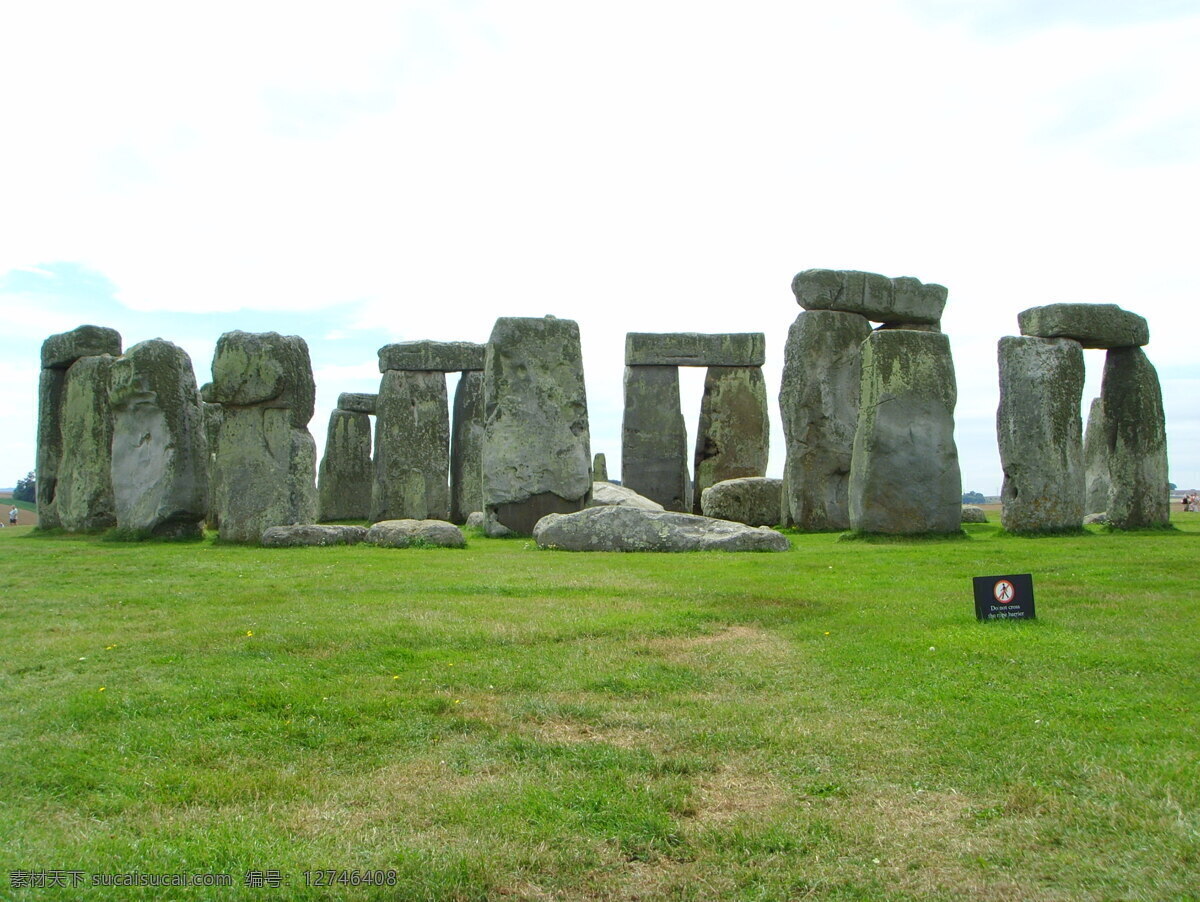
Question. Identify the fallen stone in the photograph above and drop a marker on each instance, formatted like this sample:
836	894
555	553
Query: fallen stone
61	350
310	534
412	447
346	474
753	500
733	437
606	494
1100	518
1092	325
654	454
599	467
630	529
1095	460
431	356
264	369
974	515
1136	438
405	533
476	520
357	402
876	297
466	447
84	499
695	349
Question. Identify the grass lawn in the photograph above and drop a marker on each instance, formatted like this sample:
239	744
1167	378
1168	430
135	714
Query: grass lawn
504	722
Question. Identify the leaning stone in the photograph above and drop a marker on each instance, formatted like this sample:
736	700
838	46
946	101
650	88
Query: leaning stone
160	453
695	349
406	532
264	369
818	399
61	350
654	438
1039	433
1136	437
753	500
432	356
972	514
599	467
346	473
733	437
357	402
85	493
537	457
1092	325
630	529
466	447
412	447
1095	460
878	298
606	494
310	534
904	474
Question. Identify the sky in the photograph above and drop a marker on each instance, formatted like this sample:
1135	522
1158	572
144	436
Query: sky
374	172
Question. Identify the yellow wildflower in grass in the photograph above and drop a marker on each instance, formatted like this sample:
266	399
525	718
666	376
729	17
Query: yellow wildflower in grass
101	688
249	632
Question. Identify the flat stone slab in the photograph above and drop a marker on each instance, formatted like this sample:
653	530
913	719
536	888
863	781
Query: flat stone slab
753	500
630	529
878	298
1092	325
432	356
309	534
695	349
606	494
405	533
357	402
61	350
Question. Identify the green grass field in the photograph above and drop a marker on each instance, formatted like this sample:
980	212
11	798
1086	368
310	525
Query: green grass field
504	722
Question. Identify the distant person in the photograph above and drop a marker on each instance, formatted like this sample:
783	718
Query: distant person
12	517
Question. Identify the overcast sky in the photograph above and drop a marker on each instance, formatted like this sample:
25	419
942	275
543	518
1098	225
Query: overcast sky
363	173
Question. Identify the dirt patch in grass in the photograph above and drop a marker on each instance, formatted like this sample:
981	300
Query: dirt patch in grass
736	639
730	794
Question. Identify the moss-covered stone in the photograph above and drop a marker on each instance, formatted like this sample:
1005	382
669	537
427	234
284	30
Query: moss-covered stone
85	491
264	369
734	433
412	447
654	455
346	472
466	447
1135	432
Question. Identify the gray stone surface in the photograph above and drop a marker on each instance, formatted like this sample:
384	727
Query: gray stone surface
904	473
357	402
1095	460
695	349
818	400
431	356
51	389
599	467
1136	438
654	455
85	495
974	515
630	529
264	369
605	494
406	532
160	453
537	456
214	415
466	447
310	534
476	520
1099	518
753	500
733	437
412	447
347	473
1040	434
1092	325
61	350
878	298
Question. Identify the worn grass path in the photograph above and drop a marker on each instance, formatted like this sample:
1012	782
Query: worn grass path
504	722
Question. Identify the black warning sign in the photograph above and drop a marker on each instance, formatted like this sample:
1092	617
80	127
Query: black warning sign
1004	597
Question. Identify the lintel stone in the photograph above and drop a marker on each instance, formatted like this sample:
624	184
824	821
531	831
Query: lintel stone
878	298
695	349
357	402
1092	325
61	350
432	356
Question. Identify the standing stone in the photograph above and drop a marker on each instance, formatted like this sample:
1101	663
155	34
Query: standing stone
1095	461
59	352
537	455
214	415
599	467
654	438
466	447
266	458
733	437
159	448
1039	432
1135	433
412	447
818	398
85	493
346	473
904	475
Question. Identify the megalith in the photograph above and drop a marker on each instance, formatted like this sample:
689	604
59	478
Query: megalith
1136	441
654	438
412	447
266	457
732	439
599	467
1095	461
346	473
902	300
84	497
59	352
159	448
1039	431
466	447
904	472
1092	325
537	455
818	399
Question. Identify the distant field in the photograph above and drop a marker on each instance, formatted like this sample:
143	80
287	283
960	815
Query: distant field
509	723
